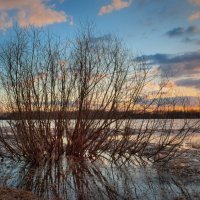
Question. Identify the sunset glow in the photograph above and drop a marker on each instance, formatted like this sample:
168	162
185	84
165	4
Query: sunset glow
165	33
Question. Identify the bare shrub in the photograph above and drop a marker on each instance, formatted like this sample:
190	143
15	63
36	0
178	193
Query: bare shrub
82	98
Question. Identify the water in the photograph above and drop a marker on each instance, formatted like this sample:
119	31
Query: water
73	178
85	180
134	123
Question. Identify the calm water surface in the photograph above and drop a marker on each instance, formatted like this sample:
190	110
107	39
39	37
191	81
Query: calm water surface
82	179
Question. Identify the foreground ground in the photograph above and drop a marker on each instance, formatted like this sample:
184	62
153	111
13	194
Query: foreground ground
14	194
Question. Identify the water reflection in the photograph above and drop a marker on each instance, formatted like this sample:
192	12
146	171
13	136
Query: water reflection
77	179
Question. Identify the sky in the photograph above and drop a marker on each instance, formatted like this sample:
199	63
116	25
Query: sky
165	32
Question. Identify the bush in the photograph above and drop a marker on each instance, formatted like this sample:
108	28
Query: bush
74	99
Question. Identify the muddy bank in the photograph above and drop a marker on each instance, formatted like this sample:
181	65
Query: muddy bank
15	194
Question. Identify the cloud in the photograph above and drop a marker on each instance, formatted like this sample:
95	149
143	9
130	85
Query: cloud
180	31
196	2
27	12
182	69
191	40
194	16
183	65
194	83
115	5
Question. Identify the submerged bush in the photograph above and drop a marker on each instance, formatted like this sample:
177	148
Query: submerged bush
78	99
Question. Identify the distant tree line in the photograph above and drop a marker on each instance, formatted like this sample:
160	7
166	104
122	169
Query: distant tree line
93	115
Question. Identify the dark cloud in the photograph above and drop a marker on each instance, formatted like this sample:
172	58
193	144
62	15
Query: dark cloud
181	31
170	58
176	32
187	64
155	59
191	40
195	83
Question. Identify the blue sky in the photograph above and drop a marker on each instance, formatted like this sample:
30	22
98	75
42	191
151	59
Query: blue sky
143	25
167	32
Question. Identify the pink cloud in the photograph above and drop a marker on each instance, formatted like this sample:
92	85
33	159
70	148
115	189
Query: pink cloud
115	5
197	2
194	16
28	12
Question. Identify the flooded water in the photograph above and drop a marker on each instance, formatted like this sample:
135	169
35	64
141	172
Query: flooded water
72	178
133	123
76	179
